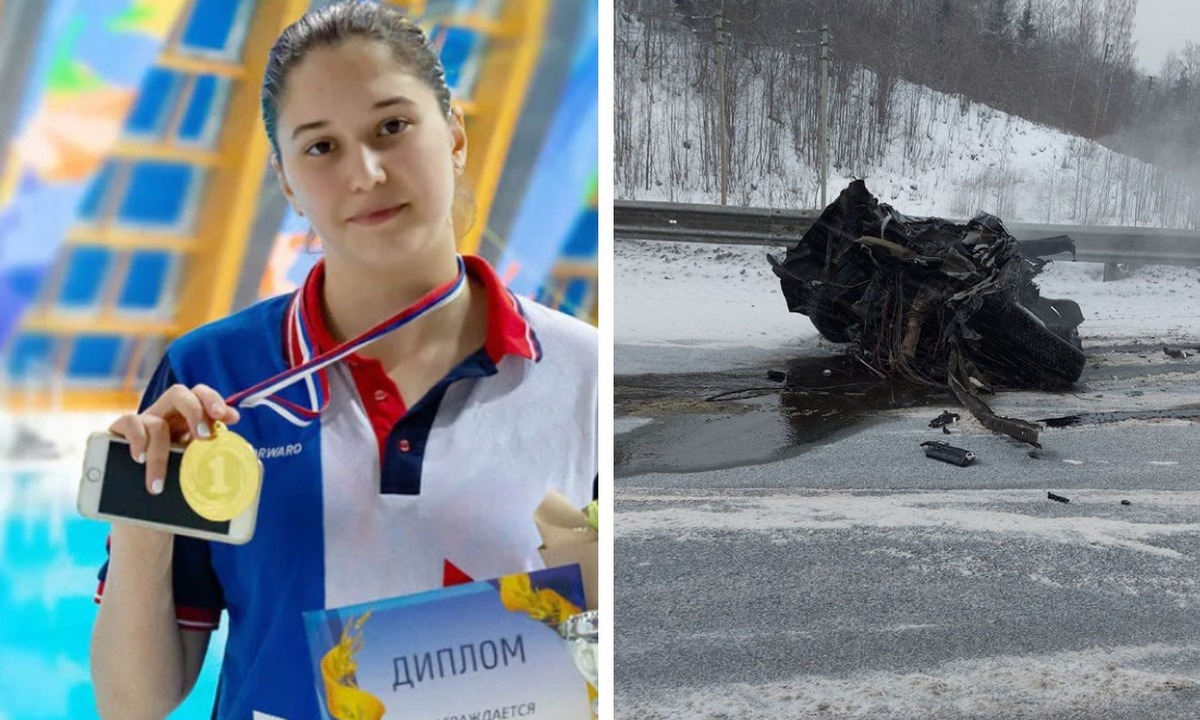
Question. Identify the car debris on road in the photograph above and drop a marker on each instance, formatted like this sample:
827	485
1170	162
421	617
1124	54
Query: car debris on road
936	302
944	451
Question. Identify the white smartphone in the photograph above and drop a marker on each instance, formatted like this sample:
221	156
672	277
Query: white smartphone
113	488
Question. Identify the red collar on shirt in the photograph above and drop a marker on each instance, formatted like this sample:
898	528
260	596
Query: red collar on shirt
508	332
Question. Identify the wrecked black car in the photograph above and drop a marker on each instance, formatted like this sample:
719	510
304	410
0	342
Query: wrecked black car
936	302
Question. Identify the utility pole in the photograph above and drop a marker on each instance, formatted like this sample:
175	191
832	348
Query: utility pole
723	118
823	101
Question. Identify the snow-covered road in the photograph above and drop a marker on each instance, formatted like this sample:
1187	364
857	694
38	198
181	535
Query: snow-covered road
763	571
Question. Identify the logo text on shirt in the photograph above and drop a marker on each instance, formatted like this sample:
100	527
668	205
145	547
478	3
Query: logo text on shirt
279	451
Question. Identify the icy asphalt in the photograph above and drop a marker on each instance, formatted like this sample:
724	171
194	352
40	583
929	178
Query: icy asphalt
765	571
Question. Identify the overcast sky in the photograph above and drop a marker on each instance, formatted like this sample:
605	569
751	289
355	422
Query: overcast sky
1164	25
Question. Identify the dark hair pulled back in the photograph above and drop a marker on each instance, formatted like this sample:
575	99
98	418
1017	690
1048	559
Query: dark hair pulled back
335	24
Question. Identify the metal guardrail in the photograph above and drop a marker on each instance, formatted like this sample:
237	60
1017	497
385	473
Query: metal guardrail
635	220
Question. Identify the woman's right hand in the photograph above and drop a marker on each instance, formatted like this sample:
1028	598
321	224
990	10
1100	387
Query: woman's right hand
179	415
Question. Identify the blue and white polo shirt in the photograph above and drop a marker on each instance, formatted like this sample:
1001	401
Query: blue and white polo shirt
378	499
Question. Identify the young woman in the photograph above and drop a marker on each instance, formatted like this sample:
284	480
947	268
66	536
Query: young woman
434	443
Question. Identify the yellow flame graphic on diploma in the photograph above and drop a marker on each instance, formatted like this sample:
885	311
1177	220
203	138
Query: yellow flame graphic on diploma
342	695
544	605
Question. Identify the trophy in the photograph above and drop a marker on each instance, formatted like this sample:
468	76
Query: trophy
582	635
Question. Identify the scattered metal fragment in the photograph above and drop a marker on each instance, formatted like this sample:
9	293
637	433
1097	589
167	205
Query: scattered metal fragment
1175	352
1057	498
944	451
776	375
944	419
1035	455
1126	502
1022	430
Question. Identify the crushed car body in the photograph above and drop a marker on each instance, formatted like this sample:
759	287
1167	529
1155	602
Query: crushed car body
933	301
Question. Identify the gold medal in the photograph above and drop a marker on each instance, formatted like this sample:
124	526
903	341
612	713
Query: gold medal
220	477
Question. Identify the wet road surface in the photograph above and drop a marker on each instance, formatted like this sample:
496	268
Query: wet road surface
785	549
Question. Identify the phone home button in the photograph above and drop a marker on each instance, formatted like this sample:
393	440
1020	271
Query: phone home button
93	474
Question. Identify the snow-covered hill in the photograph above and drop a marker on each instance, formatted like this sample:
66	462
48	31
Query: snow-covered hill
938	154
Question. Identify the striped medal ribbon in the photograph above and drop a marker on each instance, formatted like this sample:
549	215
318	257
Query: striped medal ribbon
310	370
